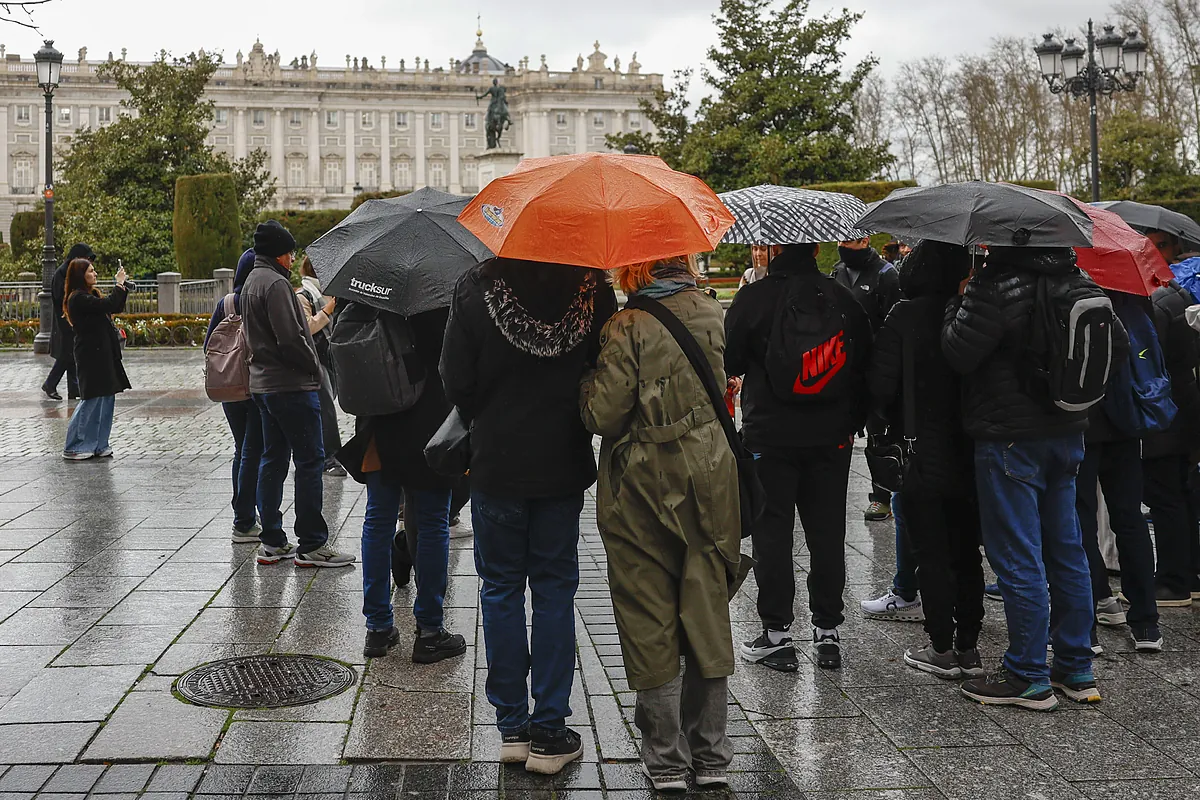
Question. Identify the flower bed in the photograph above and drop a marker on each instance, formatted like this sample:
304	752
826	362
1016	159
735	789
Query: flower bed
141	330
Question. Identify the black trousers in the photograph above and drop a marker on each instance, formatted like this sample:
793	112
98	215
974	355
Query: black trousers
878	493
63	365
944	531
1118	466
330	435
811	481
1165	491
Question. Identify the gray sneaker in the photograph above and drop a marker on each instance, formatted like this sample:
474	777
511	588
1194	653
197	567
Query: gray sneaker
273	555
324	556
1110	612
926	659
970	663
245	537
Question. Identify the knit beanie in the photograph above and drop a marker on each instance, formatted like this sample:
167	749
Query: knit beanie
272	239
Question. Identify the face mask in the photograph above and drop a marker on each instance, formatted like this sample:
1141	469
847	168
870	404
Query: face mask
855	259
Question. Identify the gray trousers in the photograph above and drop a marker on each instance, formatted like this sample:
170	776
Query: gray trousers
683	725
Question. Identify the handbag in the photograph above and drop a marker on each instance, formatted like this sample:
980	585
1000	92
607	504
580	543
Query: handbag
889	454
448	452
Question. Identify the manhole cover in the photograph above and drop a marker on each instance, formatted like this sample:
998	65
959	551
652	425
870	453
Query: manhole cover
271	681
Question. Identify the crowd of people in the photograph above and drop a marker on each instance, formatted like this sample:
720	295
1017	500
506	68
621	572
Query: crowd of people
538	359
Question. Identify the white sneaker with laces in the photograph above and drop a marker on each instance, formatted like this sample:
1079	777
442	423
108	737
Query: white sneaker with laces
245	537
273	555
324	556
892	606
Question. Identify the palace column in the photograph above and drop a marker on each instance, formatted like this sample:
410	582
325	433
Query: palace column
314	149
239	134
351	152
419	130
277	163
455	183
581	133
385	151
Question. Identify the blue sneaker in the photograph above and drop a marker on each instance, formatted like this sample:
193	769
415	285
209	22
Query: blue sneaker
992	592
1080	687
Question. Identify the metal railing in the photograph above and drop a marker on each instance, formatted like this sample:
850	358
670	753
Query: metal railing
19	300
197	296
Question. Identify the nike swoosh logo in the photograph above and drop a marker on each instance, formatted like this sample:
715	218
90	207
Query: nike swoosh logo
1142	354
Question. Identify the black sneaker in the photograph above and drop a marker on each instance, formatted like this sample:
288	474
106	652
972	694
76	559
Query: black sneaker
51	393
1166	598
1147	638
431	648
1081	688
1005	689
779	657
829	649
379	642
1097	648
992	592
550	751
970	663
514	747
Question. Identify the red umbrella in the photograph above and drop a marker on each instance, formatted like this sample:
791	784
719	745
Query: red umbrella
1120	258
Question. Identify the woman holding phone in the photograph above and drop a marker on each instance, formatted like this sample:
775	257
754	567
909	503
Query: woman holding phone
97	357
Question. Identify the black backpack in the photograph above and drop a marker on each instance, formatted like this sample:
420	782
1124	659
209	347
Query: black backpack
375	363
1071	345
807	350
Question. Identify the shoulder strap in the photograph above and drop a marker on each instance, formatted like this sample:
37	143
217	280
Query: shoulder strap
228	305
691	348
910	389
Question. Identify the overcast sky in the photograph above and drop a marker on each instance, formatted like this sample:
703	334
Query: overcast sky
667	34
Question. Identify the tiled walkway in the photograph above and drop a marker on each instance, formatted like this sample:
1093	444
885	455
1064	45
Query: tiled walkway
116	576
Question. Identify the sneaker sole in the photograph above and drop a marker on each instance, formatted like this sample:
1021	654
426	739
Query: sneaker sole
933	669
306	564
1195	595
1148	647
876	517
1180	603
78	456
240	539
514	753
789	665
1078	695
1113	620
895	615
268	560
550	765
441	655
973	672
702	780
1049	704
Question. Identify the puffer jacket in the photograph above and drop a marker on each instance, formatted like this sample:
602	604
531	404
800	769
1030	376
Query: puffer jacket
1181	349
943	459
985	336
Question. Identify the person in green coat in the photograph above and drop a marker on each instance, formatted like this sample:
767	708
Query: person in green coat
668	512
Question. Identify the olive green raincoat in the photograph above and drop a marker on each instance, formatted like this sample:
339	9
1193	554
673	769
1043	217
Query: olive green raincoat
667	500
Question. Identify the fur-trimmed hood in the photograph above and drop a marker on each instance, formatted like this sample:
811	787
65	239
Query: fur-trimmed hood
534	336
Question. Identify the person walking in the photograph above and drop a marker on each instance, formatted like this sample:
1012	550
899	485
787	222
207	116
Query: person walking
802	343
62	339
939	503
668	572
875	284
284	379
1027	453
97	350
387	453
318	313
520	336
245	424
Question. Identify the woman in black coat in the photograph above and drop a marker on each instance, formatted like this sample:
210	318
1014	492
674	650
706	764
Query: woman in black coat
97	358
939	488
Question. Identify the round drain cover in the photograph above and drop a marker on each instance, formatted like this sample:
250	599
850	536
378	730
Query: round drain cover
270	681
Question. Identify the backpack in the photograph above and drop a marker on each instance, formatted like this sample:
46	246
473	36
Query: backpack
375	363
1187	273
1070	345
1138	400
807	350
227	359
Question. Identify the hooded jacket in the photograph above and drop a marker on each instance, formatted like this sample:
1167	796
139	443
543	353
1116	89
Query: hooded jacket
283	357
519	339
874	282
244	265
1181	350
985	336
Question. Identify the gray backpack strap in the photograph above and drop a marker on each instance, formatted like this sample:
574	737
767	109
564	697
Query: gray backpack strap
227	305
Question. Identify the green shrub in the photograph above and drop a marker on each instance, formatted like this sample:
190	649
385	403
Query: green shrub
26	233
206	225
359	199
305	226
867	191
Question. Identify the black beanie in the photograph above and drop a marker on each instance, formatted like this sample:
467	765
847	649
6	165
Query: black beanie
272	239
80	250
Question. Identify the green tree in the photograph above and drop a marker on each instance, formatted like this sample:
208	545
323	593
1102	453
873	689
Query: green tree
206	231
1139	156
668	113
117	190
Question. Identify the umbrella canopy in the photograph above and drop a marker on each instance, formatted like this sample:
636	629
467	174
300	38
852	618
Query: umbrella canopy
403	254
600	210
771	214
998	214
1143	217
1120	258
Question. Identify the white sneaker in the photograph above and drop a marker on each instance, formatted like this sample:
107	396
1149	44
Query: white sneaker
273	555
324	556
461	528
892	606
245	537
673	783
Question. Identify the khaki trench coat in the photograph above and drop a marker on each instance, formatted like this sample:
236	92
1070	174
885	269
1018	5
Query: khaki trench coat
668	508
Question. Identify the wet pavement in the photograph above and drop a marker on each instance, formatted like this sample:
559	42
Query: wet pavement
116	576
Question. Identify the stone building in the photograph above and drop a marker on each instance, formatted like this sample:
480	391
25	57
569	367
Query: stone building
333	130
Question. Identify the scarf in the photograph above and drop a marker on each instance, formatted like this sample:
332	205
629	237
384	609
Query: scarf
670	277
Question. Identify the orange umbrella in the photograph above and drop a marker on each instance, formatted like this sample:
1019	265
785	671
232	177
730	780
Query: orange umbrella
600	210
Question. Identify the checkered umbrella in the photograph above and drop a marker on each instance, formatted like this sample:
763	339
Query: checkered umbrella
781	215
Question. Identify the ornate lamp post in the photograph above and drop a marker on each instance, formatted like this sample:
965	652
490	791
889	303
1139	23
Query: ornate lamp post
1072	68
49	69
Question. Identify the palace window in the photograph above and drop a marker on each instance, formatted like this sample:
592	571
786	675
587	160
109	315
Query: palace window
470	174
104	115
296	118
23	114
220	115
258	118
470	121
64	115
333	174
437	174
23	173
598	119
635	120
295	169
366	120
368	175
402	174
401	119
331	119
560	119
436	119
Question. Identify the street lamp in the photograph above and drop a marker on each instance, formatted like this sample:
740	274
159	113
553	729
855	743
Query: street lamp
1072	68
49	69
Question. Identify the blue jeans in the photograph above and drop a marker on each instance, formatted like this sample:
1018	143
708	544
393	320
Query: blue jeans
1031	534
905	582
90	425
245	423
291	426
535	541
428	512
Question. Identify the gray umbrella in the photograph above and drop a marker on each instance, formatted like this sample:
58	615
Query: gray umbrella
770	214
997	214
1143	218
403	254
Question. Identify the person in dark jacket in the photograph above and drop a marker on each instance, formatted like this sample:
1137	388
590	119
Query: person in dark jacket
387	453
97	346
875	284
804	463
940	507
520	336
318	313
245	423
62	339
1027	452
284	377
1167	457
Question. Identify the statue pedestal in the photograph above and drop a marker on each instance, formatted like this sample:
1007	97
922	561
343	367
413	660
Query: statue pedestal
496	164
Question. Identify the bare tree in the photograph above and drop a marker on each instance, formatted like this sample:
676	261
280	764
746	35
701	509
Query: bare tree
20	13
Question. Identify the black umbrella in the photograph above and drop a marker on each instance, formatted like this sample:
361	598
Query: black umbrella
997	214
402	254
1143	218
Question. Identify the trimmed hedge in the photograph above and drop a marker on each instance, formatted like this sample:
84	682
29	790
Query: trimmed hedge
305	226
867	191
359	199
206	224
27	227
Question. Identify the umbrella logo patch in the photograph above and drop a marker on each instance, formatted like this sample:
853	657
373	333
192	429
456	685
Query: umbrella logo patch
820	365
493	214
370	289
